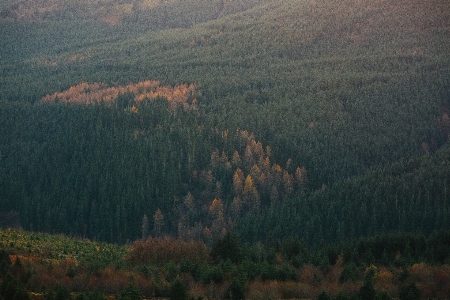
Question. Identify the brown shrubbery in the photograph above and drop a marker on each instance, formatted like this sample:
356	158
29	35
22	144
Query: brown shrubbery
162	250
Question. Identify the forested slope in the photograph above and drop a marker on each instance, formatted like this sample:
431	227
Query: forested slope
309	118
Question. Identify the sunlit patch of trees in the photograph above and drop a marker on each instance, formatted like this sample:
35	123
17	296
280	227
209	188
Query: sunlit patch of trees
88	93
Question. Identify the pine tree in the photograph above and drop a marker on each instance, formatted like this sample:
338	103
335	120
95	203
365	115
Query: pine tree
158	221
178	291
144	227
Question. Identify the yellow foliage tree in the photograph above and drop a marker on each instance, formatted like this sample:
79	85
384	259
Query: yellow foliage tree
236	159
300	177
215	208
251	195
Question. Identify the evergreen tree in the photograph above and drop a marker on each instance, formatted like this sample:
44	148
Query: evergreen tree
130	293
5	263
178	291
367	291
410	292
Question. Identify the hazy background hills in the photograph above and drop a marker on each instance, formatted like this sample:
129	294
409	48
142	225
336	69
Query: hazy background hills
355	92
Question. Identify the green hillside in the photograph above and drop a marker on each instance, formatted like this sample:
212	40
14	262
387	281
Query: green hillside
324	120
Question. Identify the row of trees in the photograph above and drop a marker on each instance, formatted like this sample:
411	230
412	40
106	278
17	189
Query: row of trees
410	266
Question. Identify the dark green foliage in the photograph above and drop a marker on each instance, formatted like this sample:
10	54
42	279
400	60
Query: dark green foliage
91	295
367	291
295	250
71	272
212	273
62	293
5	263
21	294
178	291
130	293
10	288
286	273
324	296
410	292
404	274
343	296
350	272
227	247
236	290
382	295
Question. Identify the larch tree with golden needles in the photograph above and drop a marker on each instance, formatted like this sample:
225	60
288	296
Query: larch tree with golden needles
255	172
238	184
300	178
236	159
216	212
250	194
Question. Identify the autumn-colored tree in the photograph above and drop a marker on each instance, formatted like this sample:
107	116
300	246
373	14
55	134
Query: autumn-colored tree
215	208
257	148
238	183
266	165
288	164
288	183
277	174
250	194
161	250
236	159
300	178
255	172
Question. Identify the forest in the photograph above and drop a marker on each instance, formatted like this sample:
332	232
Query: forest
317	125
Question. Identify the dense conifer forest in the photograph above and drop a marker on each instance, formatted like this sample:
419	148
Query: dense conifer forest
305	134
